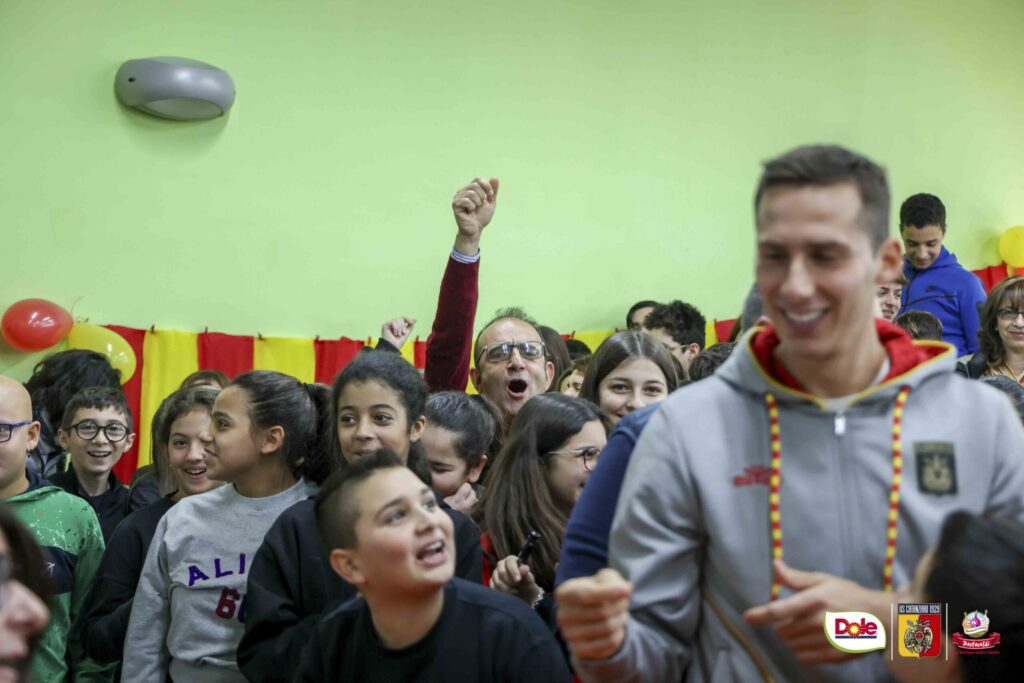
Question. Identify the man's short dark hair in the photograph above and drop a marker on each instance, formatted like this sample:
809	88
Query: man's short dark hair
337	505
831	165
646	303
710	359
920	325
921	210
97	398
513	312
683	322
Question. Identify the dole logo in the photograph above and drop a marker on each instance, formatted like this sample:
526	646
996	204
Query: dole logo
854	632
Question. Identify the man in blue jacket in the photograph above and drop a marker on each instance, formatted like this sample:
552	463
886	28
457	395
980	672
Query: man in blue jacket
938	283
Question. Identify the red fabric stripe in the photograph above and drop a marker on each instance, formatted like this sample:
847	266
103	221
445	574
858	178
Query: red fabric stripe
992	276
723	328
229	353
126	467
419	354
332	355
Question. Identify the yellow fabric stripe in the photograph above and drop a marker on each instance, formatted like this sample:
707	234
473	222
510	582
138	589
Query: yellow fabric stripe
593	339
294	357
168	358
710	334
408	351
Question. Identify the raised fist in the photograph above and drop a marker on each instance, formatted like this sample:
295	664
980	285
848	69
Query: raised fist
473	206
396	331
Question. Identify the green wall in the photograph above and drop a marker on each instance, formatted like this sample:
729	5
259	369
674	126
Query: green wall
627	137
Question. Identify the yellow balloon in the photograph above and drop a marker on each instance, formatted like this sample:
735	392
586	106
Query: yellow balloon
101	340
1011	246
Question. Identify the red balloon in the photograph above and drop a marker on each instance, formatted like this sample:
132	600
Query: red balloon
35	324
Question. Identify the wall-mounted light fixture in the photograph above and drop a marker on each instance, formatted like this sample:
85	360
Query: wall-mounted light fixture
175	88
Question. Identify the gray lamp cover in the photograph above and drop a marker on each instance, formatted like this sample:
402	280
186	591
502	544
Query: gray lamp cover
175	88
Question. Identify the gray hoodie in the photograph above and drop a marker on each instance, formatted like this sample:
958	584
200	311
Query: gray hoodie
691	529
189	609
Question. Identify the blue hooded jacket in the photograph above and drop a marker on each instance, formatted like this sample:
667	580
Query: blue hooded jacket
949	292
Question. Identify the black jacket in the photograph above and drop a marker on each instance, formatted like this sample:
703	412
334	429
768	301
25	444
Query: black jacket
973	366
291	584
111	506
104	619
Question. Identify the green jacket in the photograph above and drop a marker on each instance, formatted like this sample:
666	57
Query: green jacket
66	528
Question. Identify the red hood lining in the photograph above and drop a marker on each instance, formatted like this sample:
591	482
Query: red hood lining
904	354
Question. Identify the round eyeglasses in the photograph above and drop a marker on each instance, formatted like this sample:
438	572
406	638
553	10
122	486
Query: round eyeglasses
87	430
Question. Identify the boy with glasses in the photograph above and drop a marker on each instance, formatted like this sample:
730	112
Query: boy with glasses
96	431
64	526
681	328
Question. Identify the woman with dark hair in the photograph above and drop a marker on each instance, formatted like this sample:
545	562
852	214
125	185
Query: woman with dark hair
268	440
463	432
1000	334
553	445
24	592
53	382
977	566
628	371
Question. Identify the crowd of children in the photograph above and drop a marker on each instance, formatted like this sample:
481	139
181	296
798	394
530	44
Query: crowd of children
654	510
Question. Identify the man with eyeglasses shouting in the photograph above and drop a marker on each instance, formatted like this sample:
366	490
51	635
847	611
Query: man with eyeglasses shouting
63	525
510	364
97	431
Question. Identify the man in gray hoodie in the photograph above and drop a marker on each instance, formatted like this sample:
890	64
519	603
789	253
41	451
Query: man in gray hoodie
830	449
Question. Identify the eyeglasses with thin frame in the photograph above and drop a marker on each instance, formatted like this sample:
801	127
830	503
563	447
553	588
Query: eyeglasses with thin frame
1008	315
87	430
589	455
497	353
7	430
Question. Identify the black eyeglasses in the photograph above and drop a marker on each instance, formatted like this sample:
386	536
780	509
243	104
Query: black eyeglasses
87	430
7	430
496	353
1008	314
589	455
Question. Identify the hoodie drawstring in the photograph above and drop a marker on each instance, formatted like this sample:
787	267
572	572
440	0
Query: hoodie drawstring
775	484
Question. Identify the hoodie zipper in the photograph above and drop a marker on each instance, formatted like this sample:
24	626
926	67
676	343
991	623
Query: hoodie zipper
840	422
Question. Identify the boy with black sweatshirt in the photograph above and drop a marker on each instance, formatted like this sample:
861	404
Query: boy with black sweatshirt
415	622
97	430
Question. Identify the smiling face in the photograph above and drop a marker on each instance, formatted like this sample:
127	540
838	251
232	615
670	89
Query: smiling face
512	382
231	447
448	471
186	455
404	539
96	456
634	384
566	474
922	245
1011	331
817	271
888	296
371	416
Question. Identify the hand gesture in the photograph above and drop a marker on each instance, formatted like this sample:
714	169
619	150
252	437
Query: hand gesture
515	579
473	206
397	330
464	499
798	618
592	613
